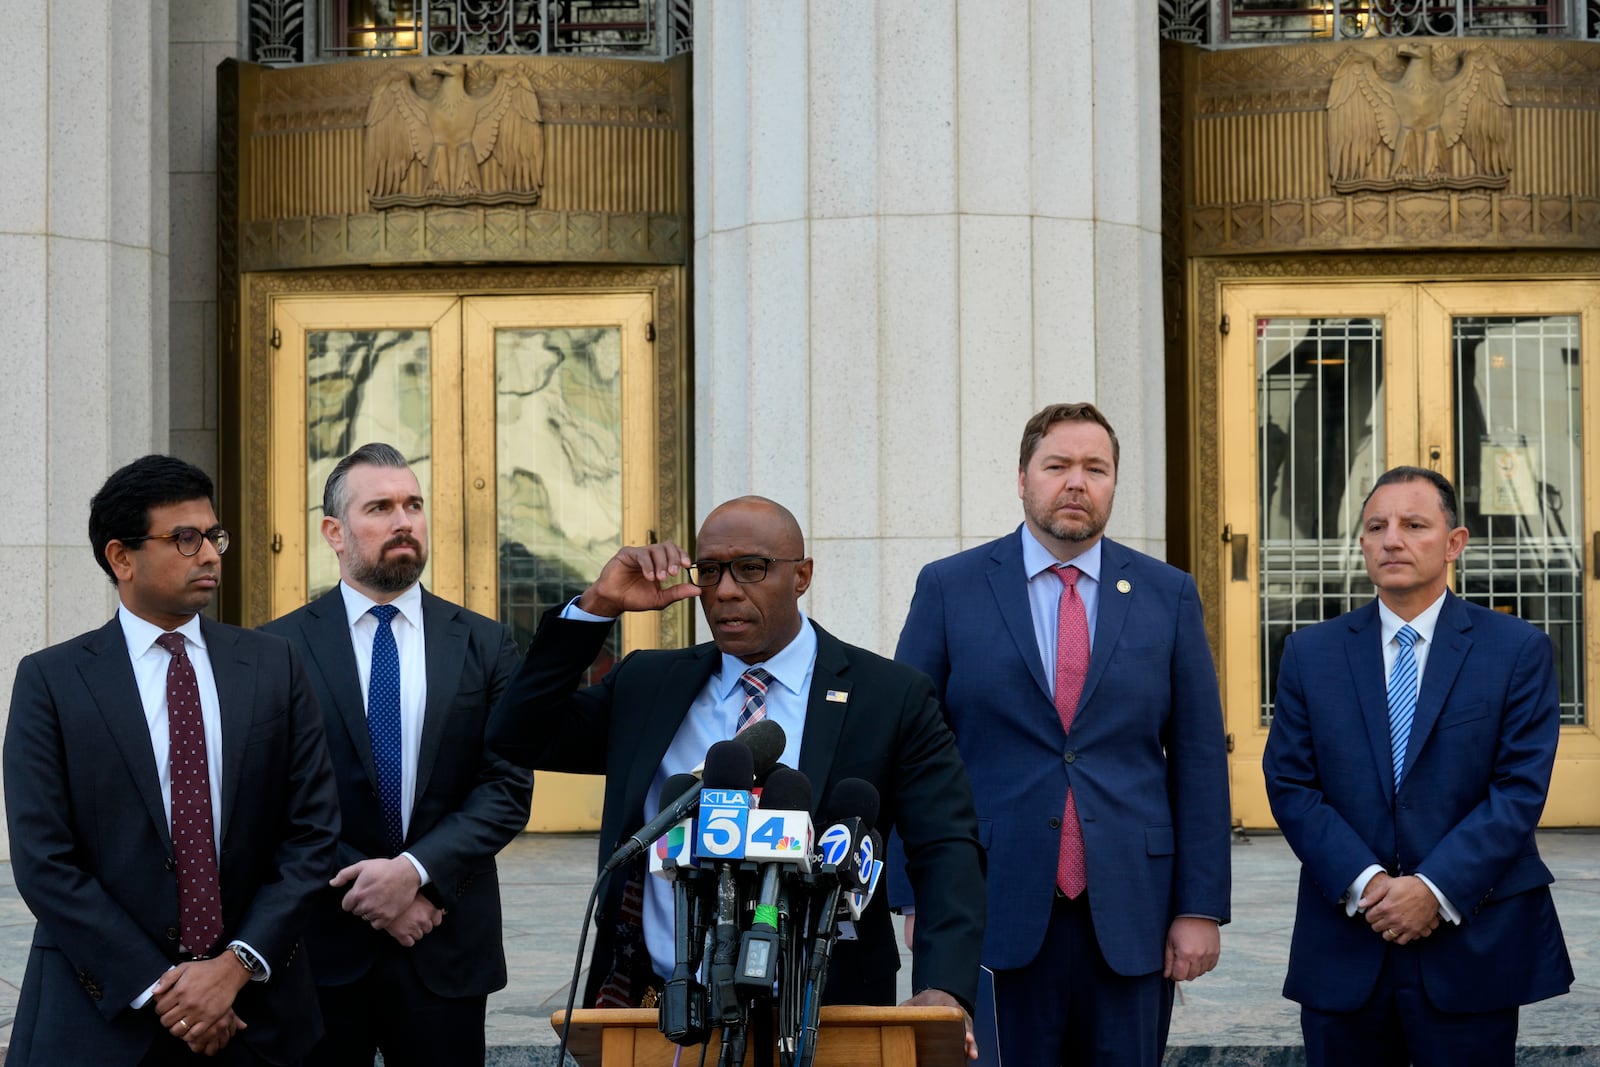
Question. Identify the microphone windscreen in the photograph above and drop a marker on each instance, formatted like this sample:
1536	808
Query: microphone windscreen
729	765
674	788
765	740
786	790
853	798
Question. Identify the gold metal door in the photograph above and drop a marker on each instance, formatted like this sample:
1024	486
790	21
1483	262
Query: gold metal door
532	424
1322	387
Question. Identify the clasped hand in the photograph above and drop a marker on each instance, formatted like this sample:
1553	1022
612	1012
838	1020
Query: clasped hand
1401	909
194	1002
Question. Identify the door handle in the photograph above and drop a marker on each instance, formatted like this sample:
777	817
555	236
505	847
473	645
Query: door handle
1240	543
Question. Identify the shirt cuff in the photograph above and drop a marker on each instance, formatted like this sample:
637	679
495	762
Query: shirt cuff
144	998
422	872
1447	910
577	614
1352	896
266	968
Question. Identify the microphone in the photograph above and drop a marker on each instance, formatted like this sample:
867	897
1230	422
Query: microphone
780	835
724	818
682	1015
856	900
764	740
853	807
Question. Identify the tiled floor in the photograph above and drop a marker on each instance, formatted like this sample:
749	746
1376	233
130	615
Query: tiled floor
546	880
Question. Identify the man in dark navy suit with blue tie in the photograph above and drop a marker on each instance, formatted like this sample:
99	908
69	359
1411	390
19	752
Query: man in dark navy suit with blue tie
405	945
1410	754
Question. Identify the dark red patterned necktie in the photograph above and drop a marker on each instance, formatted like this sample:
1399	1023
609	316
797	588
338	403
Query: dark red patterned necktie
193	841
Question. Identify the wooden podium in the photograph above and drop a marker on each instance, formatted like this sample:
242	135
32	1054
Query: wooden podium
850	1036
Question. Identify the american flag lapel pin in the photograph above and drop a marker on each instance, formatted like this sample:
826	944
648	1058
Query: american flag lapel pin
838	696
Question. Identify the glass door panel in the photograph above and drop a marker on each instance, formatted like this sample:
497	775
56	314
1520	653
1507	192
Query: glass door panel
1308	409
347	372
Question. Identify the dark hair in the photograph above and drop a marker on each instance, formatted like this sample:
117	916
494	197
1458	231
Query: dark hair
1040	425
335	501
1447	492
122	506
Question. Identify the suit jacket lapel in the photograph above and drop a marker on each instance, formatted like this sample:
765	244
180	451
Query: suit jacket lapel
1111	613
108	674
1445	657
235	673
328	637
664	713
444	634
1010	587
1364	649
825	713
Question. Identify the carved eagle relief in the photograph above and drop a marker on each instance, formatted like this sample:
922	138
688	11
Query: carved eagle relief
1419	118
478	145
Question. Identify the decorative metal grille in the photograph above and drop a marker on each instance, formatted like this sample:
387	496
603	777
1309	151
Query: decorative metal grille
277	31
1249	21
645	28
1186	20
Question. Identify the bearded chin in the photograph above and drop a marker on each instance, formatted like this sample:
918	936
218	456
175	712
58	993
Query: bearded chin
1076	534
393	575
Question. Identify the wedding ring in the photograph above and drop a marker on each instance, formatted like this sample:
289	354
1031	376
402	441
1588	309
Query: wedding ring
185	1024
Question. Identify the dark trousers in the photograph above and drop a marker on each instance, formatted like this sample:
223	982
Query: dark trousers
389	1010
168	1051
1399	1025
1069	1007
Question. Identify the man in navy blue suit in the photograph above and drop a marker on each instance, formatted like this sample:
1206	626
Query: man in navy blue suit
1081	689
1410	754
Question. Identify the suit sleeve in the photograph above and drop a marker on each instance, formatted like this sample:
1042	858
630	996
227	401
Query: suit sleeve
922	646
1468	860
309	831
1330	849
938	827
544	720
72	906
1197	770
496	809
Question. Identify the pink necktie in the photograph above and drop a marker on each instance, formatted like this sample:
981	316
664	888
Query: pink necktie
193	842
1072	666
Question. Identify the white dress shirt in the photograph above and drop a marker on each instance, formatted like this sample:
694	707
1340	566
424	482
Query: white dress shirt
409	645
1390	624
150	663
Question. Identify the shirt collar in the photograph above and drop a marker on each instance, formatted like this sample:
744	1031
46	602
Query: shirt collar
789	666
1036	559
140	634
1424	623
357	603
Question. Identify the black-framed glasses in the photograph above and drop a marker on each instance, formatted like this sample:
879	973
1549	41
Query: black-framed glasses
746	570
187	538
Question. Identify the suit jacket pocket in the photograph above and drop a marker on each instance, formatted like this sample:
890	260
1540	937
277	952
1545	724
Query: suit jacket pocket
1450	717
1159	841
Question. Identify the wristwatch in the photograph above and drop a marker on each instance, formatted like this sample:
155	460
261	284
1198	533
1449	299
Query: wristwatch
249	961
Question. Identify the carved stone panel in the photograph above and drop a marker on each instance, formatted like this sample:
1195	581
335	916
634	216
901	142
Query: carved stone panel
1373	144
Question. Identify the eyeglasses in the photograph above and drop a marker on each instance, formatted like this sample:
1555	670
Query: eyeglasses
187	538
746	570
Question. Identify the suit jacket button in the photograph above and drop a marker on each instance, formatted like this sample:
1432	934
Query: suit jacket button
1054	823
172	933
1070	756
171	864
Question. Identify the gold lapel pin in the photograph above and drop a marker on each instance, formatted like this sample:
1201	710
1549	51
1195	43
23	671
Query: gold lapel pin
1124	586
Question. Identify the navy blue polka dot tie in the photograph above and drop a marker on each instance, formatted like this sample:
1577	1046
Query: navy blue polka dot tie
194	847
383	722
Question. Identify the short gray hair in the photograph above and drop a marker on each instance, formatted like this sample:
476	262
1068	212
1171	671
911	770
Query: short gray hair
335	499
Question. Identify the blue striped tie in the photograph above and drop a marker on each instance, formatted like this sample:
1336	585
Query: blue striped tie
383	723
1402	697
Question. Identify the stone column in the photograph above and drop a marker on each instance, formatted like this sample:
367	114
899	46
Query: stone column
916	223
83	269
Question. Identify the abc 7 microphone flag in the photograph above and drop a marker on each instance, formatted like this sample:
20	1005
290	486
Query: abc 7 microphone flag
759	902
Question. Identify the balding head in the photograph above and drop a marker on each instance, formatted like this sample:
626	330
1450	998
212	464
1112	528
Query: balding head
756	620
